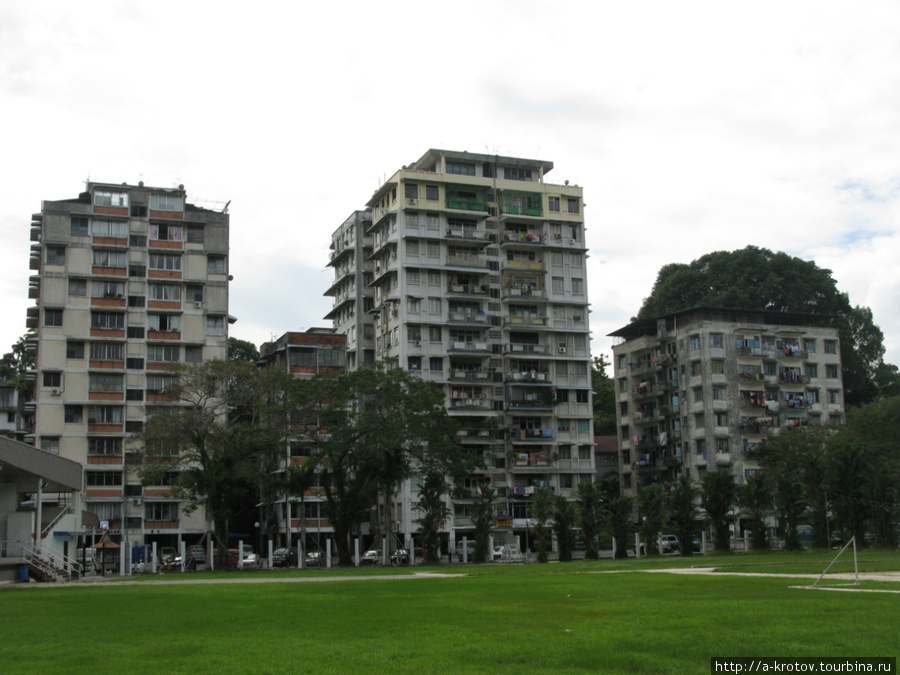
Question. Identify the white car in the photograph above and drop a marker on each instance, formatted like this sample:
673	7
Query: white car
371	557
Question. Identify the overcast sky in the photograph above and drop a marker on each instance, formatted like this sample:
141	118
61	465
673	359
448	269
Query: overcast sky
692	126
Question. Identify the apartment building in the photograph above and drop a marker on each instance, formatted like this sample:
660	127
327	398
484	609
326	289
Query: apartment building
700	388
304	355
469	270
129	280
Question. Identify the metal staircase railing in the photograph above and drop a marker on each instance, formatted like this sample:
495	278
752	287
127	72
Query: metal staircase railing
54	566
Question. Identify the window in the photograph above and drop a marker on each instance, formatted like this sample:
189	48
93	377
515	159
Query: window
51	379
50	444
414	333
433	250
167	292
718	393
56	255
623	384
411	190
77	288
193	354
578	286
831	346
717	340
553	203
166	232
108	289
106	382
432	221
695	342
581	396
431	192
103	445
107	351
721	419
434	278
107	320
831	371
461	168
162	511
834	396
558	285
53	317
412	247
413	305
695	368
109	258
809	346
103	478
811	370
162	353
117	199
573	205
159	383
436	363
74	349
717	367
698	394
167	202
434	306
721	445
164	322
701	446
215	325
434	334
623	408
109	228
516	173
78	226
165	261
195	234
104	414
195	294
215	264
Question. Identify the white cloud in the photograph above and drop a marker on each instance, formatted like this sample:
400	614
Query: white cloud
693	127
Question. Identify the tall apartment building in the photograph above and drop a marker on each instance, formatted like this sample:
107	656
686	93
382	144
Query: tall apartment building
469	270
304	355
698	389
129	280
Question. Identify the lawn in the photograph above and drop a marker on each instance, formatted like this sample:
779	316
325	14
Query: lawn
558	618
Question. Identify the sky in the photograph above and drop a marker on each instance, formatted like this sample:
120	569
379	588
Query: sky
692	126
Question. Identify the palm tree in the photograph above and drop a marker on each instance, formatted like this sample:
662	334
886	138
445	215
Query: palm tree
589	505
564	521
718	497
651	501
541	514
755	496
683	505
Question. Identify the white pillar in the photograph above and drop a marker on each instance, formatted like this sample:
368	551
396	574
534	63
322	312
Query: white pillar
384	556
465	543
702	542
356	551
637	546
270	554
328	553
300	560
183	561
153	566
240	560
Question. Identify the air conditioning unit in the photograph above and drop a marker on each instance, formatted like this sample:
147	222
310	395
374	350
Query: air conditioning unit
417	343
55	392
562	350
198	304
136	501
411	200
577	317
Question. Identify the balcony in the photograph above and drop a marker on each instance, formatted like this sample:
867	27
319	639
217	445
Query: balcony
517	292
469	375
530	434
522	264
469	347
469	317
534	375
517	349
508	236
525	320
468	234
460	260
468	289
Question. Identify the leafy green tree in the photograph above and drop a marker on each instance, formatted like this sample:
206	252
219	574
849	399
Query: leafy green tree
542	515
300	479
16	362
617	516
651	503
216	440
718	494
758	279
682	503
605	421
241	350
755	496
589	504
483	516
564	516
434	512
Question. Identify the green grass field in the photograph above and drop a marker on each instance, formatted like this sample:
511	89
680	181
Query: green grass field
558	618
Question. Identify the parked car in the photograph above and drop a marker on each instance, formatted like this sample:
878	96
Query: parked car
400	557
249	559
314	559
196	555
498	552
284	557
470	550
371	557
168	557
669	544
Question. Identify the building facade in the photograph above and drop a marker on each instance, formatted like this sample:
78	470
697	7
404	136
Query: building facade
469	270
699	389
128	281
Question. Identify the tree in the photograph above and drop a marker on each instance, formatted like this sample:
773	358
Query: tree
213	444
651	503
758	279
563	522
755	496
542	514
718	494
434	511
300	479
618	520
682	504
483	522
241	350
605	420
589	504
16	362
